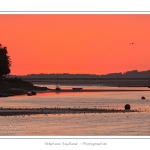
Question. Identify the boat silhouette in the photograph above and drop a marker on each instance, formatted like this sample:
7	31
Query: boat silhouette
76	88
57	86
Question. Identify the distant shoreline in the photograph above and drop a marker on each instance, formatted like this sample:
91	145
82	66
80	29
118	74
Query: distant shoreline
114	82
17	86
97	90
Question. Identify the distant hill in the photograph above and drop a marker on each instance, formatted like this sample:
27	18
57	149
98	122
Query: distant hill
128	74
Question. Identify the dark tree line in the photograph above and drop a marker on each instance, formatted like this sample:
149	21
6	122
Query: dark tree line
5	61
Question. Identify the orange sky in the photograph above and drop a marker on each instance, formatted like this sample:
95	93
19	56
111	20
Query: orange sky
95	44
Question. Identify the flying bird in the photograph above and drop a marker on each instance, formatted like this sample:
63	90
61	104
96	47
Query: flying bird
131	43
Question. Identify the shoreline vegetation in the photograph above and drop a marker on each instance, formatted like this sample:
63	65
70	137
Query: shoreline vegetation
17	86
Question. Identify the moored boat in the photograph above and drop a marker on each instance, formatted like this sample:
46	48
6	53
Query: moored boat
76	88
29	93
33	92
57	88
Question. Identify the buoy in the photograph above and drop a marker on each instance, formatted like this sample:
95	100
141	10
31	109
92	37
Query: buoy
127	107
143	97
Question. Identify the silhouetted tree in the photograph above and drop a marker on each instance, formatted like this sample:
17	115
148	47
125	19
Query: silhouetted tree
5	62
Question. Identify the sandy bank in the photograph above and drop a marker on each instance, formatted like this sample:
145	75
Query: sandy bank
30	111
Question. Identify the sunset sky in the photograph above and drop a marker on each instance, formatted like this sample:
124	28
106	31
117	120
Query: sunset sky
94	44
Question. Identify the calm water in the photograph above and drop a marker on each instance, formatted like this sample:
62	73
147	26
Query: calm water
79	124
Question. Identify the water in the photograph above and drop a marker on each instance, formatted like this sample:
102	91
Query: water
115	124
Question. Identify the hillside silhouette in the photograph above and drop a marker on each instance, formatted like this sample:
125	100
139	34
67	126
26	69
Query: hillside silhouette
128	74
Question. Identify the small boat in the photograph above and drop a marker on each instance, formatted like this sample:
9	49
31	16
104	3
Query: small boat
33	92
76	89
57	88
29	93
143	97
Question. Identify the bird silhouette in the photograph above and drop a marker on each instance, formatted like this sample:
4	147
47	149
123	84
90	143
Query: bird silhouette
131	43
